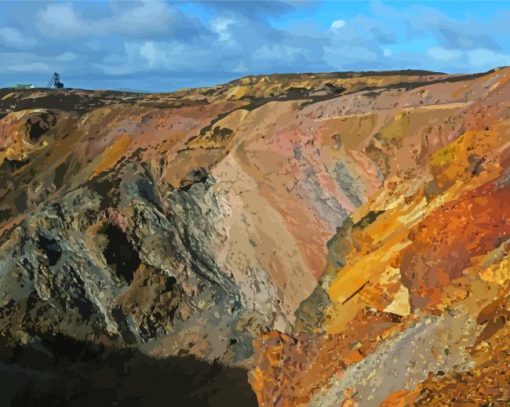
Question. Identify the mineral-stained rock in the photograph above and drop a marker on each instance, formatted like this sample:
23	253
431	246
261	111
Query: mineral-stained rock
430	249
312	229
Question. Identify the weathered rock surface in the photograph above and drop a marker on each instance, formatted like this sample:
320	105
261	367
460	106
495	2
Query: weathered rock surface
337	220
429	252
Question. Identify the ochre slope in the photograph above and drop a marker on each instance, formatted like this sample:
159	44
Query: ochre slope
429	254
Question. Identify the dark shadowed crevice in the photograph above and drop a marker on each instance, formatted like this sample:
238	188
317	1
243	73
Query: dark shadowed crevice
9	166
122	325
51	249
120	254
20	201
147	191
60	173
197	175
38	125
222	132
5	214
368	219
334	90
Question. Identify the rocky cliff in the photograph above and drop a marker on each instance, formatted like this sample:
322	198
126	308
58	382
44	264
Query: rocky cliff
412	308
341	236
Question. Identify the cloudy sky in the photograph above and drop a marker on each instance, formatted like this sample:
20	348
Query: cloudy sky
159	45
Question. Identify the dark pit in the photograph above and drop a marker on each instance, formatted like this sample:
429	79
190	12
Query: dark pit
120	254
50	248
37	126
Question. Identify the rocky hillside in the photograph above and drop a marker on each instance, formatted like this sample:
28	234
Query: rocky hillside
287	240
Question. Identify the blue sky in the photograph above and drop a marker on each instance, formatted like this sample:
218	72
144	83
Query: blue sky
159	45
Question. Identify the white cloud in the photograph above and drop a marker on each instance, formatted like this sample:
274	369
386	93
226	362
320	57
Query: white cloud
480	58
60	19
149	18
487	58
151	54
171	56
387	52
13	38
337	24
221	26
443	54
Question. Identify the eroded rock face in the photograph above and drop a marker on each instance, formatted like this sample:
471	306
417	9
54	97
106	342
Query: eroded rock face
429	253
175	230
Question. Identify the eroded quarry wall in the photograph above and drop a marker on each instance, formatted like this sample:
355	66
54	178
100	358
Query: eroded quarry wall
330	238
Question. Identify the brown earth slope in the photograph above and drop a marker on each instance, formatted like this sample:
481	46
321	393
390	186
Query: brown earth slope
354	225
